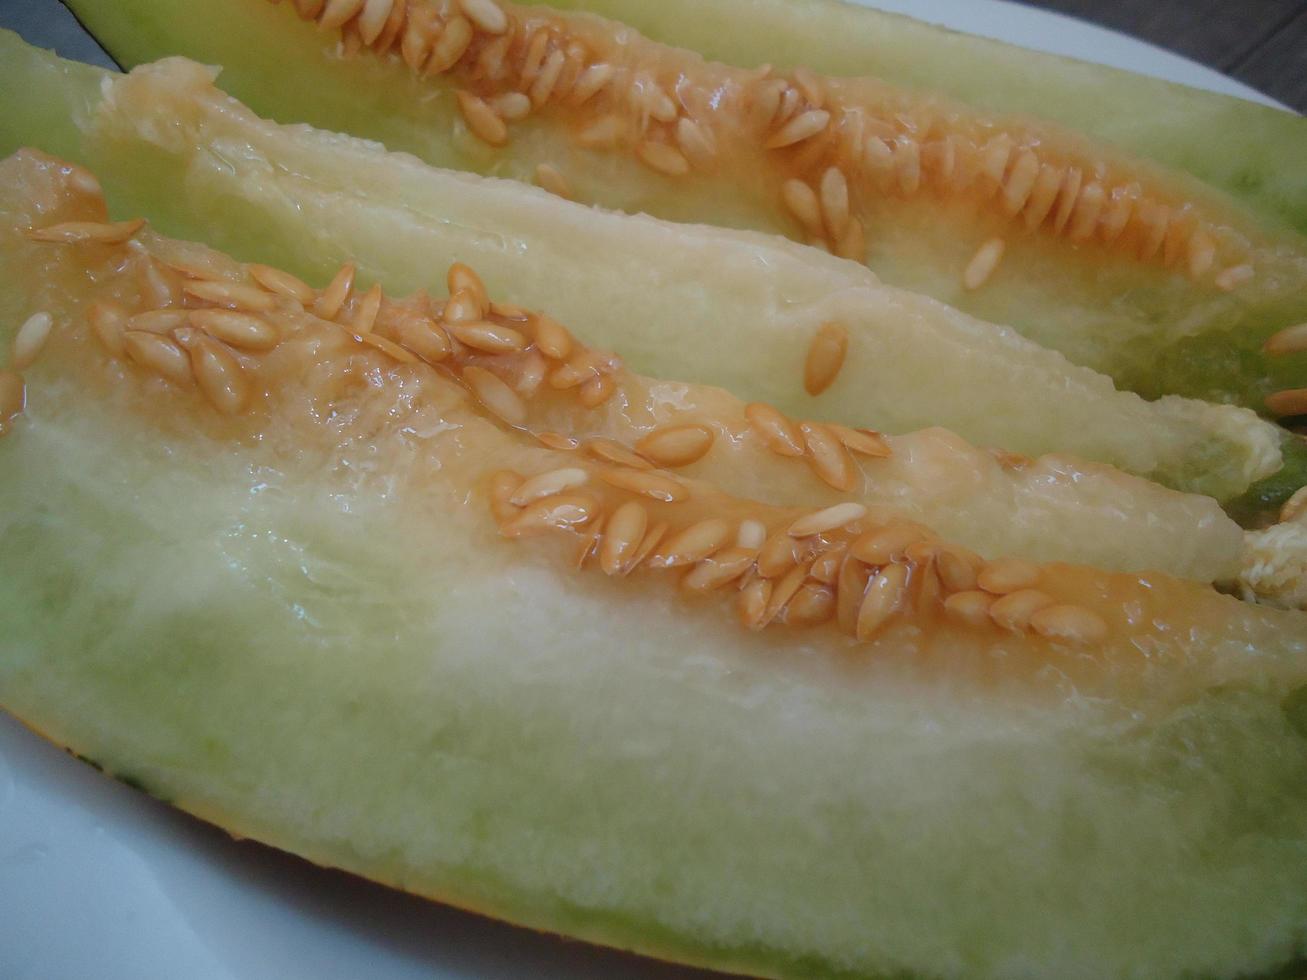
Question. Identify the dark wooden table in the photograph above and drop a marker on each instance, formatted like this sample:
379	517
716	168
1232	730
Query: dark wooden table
1260	42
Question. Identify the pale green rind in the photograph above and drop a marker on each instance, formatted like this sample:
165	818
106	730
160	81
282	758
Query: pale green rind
1177	126
636	285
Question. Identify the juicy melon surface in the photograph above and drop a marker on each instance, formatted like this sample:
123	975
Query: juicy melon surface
1120	302
303	625
319	199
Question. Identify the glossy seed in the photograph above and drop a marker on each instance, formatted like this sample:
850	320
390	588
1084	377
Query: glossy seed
337	12
782	436
606	131
1284	404
834	201
464	306
1067	198
331	299
826	355
30	340
481	118
663	158
282	283
1042	196
826	567
373	19
884	594
1070	624
553	181
801	201
233	295
107	322
695	142
614	452
719	570
565	510
983	263
676	445
829	519
864	442
752	605
803	126
1020	182
1013	610
424	337
556	440
450	46
590	540
365	313
647	483
885	544
752	534
87	232
812	605
1291	340
695	543
907	165
158	354
783	590
957	573
157	321
219	375
1004	575
779	553
552	339
622	536
849	591
483	335
240	330
502	486
496	396
970	607
388	347
828	458
511	106
544	84
590	83
485	14
596	391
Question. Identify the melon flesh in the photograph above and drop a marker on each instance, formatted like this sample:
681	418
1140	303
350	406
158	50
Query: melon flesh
304	627
174	147
1149	325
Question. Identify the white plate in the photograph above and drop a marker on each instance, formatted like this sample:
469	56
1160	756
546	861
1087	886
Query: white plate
98	881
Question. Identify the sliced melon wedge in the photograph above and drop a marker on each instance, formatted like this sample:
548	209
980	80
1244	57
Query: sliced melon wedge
1162	121
175	147
1143	274
287	586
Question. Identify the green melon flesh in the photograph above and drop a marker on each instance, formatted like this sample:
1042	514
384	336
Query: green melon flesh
305	628
1153	330
1172	124
174	147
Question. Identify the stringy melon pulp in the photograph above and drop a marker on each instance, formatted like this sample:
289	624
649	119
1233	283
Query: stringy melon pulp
305	627
172	146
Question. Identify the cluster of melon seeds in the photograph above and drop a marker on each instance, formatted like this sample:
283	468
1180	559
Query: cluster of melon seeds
831	145
839	565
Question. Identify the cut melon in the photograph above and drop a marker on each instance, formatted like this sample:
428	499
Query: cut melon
174	147
1172	124
1143	274
290	585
